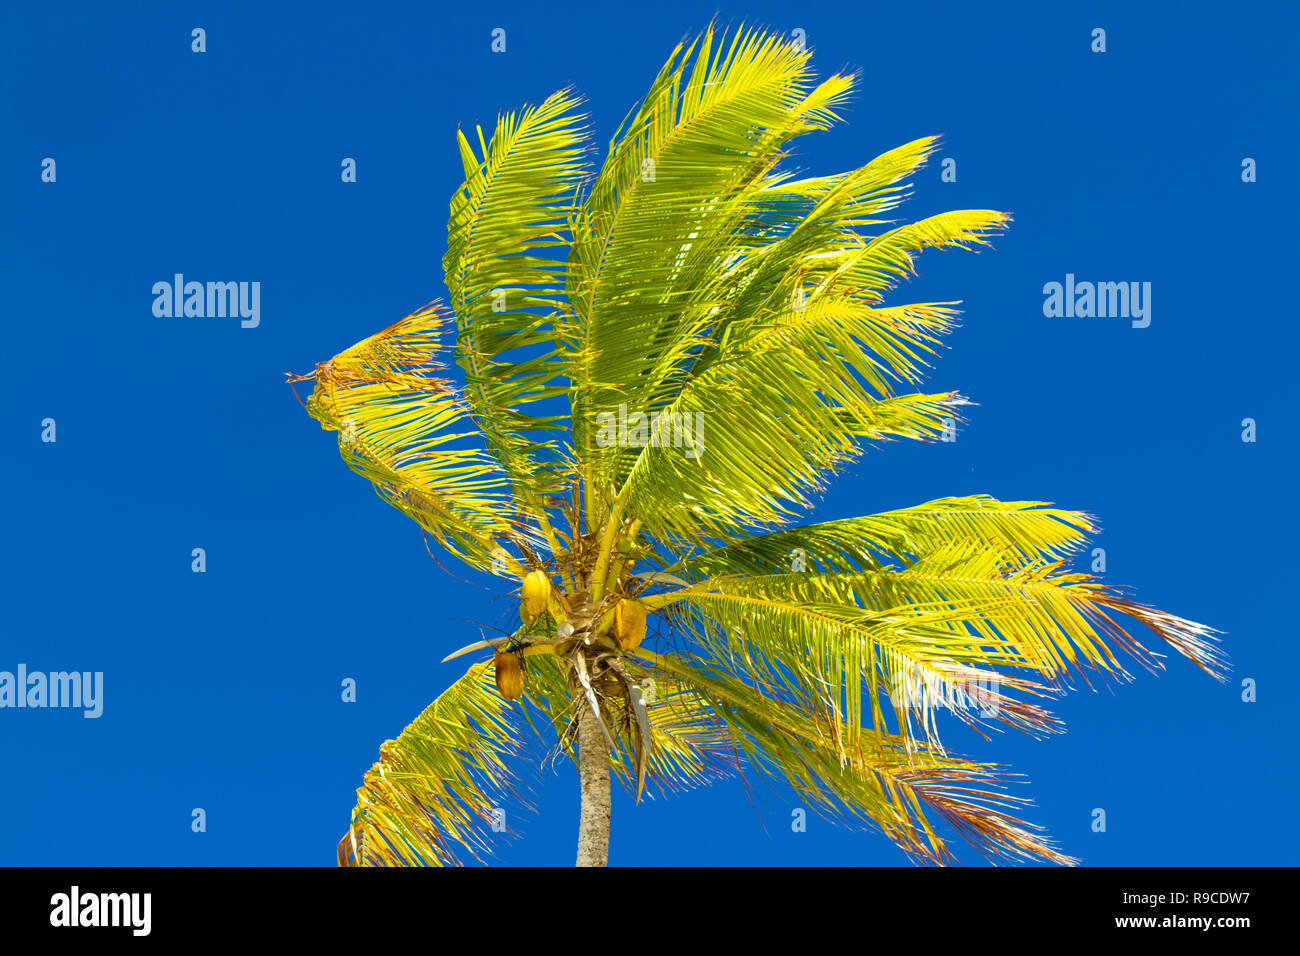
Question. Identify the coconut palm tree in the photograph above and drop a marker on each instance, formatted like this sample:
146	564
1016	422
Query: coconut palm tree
663	362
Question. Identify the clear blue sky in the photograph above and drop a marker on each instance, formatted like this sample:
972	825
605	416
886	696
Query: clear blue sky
222	689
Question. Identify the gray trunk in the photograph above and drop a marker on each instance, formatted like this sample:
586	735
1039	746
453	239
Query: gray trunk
593	778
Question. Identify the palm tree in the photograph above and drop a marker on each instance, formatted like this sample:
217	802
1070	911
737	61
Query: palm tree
720	333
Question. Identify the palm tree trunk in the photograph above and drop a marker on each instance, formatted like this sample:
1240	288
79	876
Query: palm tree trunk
593	778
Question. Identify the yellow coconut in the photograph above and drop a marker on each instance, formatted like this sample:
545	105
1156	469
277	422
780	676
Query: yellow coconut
509	674
629	622
534	595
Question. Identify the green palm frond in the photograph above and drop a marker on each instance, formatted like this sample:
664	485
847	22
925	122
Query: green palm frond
511	212
1029	529
823	223
781	406
690	745
876	780
890	258
713	291
854	661
670	205
930	600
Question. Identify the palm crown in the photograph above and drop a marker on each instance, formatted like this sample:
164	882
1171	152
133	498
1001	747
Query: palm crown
720	332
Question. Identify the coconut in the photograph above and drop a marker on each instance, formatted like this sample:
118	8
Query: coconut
509	674
629	622
534	594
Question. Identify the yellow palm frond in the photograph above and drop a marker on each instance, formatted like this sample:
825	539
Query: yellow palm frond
442	786
405	432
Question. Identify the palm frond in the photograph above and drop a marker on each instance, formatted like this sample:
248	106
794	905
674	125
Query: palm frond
505	280
881	780
885	261
783	406
668	206
928	638
853	661
437	789
1030	529
932	602
688	746
404	431
760	317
